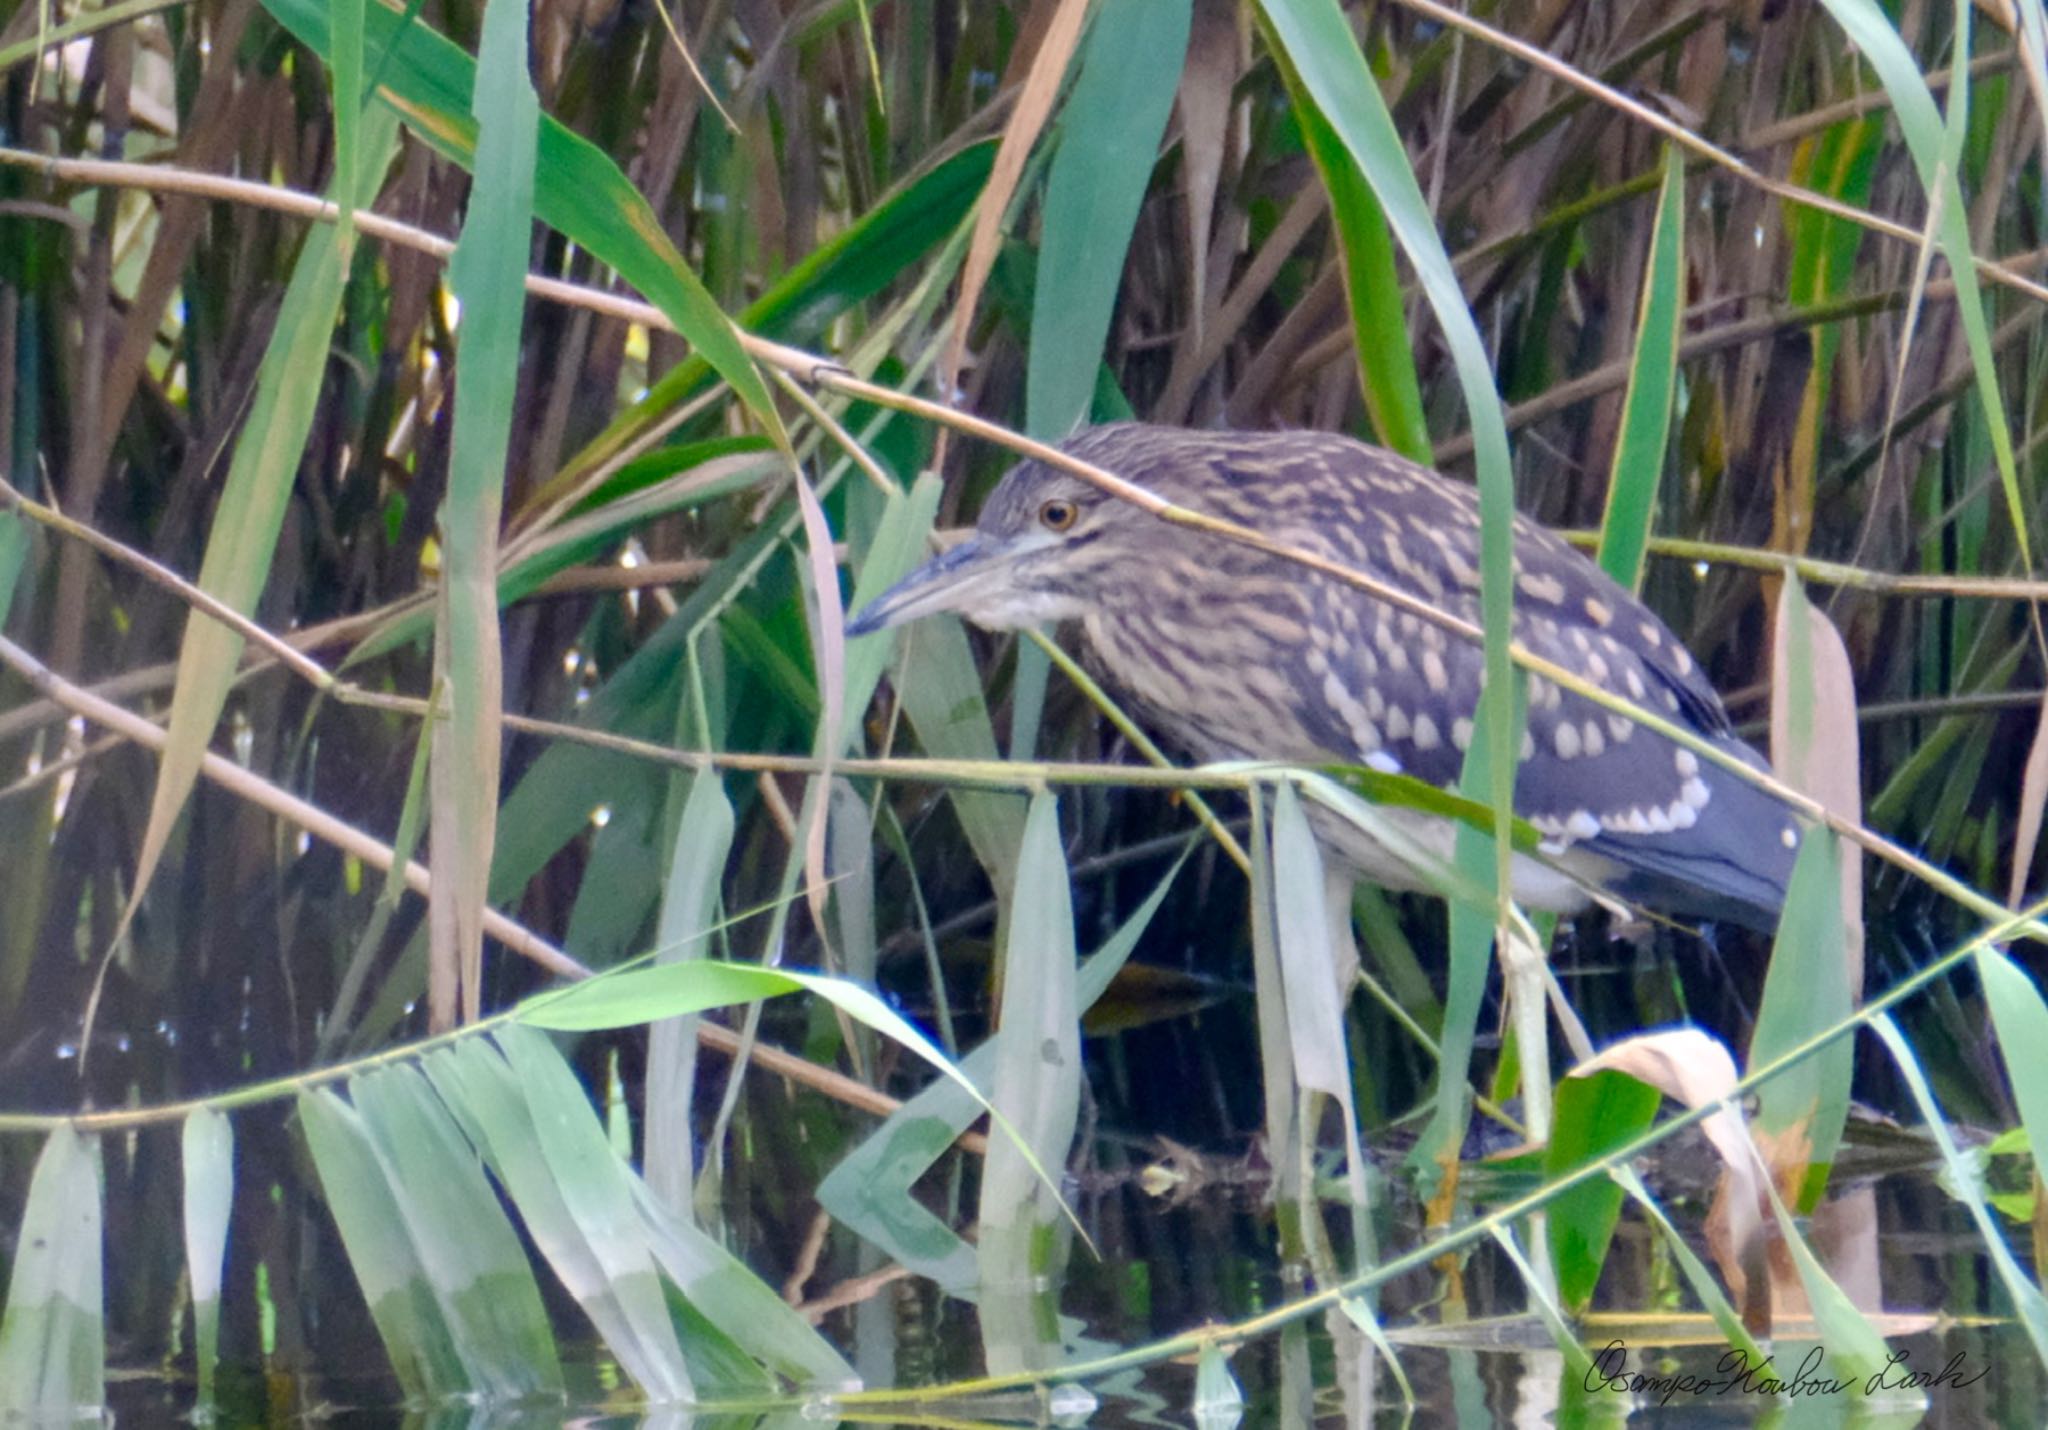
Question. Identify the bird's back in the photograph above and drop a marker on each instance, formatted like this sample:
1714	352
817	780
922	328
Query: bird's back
1238	653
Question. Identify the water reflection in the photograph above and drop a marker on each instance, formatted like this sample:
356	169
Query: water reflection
1167	1266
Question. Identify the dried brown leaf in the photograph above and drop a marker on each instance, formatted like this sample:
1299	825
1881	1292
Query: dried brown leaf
2033	796
1823	761
1027	119
1695	1069
1215	54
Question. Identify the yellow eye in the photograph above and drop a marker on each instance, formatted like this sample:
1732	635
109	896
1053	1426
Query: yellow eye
1058	515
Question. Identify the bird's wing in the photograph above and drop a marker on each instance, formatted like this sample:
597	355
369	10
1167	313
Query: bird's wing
1399	693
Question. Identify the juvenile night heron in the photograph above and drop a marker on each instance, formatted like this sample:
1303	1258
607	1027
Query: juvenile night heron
1237	654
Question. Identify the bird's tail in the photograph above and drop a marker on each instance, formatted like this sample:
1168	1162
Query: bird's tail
1734	864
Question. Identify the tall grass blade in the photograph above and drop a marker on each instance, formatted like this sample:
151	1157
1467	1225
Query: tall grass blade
1594	1115
899	542
553	803
850	865
1652	389
488	276
1816	742
738	1306
1219	1399
1359	1311
13	556
1314	985
1936	148
2033	801
1037	1087
578	190
940	691
1472	929
1800	1112
1816	966
1578	1365
1697	1277
1854	1347
1385	354
828	659
2020	1020
209	1164
1277	1081
53	1335
689	902
2033	37
942	698
402	1303
478	1273
1058	40
545	1145
1317	40
1108	141
1965	1178
347	18
252	501
799	306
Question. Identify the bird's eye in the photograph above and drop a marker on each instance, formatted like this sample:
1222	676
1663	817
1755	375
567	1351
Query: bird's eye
1058	515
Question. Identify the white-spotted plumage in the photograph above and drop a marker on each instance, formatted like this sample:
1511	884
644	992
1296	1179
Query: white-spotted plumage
1236	653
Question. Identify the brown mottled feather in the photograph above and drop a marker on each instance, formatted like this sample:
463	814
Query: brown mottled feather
1236	653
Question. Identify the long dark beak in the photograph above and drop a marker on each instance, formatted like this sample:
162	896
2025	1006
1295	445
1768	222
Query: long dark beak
945	583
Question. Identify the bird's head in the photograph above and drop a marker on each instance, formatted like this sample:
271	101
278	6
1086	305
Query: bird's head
1044	543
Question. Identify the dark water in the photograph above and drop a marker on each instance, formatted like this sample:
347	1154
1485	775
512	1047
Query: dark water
1168	1265
1173	1194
